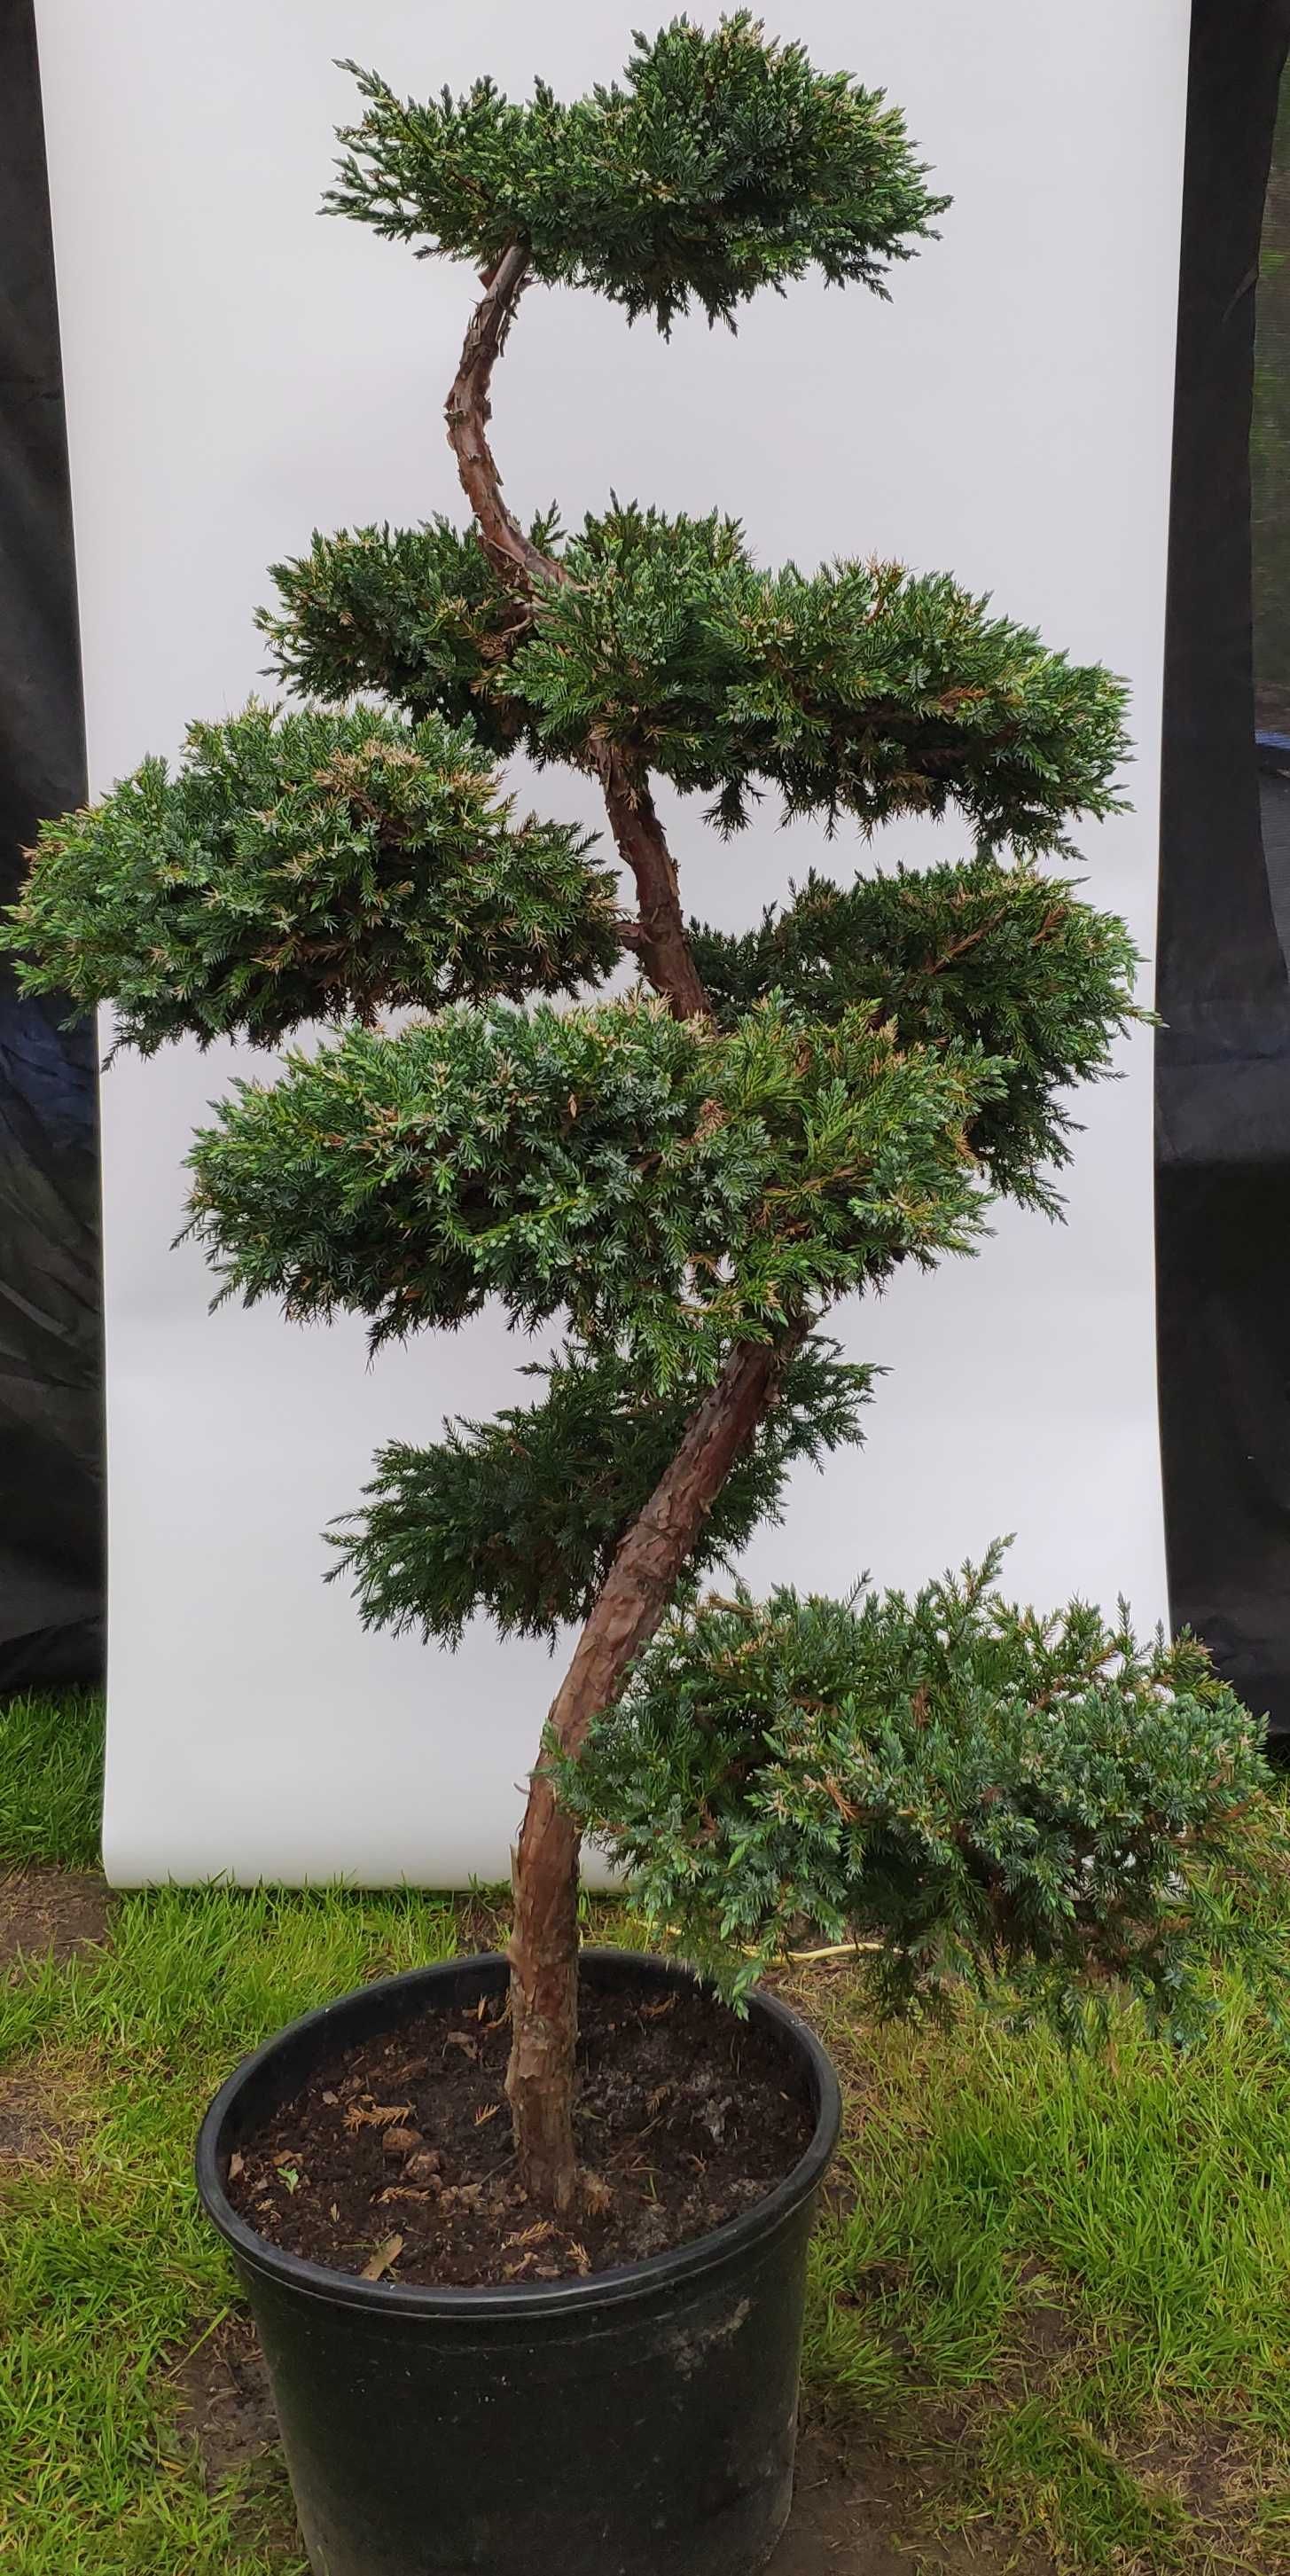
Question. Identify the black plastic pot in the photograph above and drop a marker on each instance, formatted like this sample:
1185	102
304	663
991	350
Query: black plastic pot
640	2422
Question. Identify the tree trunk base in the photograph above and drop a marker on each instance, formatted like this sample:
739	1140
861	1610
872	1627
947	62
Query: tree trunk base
544	2003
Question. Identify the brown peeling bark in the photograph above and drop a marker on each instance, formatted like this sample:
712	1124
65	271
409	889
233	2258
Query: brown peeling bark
661	945
468	411
659	938
654	1550
637	1590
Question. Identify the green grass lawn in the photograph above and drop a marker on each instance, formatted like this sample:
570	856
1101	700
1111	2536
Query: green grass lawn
1050	2312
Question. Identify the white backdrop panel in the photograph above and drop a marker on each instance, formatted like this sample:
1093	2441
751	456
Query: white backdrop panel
238	372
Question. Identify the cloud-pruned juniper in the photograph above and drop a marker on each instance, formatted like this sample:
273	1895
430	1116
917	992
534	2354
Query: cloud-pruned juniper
684	1176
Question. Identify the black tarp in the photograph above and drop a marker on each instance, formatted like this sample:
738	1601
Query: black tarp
1223	1059
51	1370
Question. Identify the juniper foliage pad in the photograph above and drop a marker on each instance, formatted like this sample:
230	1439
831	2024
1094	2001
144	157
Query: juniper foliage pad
302	865
419	615
666	1184
520	1517
724	163
973	953
859	690
1023	1802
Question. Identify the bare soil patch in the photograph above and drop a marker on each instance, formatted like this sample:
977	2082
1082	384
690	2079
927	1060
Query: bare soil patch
33	2130
868	2508
1211	2471
47	1912
1044	2336
222	2402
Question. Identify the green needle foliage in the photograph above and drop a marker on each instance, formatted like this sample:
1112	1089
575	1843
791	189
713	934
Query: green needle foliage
725	164
299	866
974	953
417	614
984	1794
655	1178
520	1517
854	691
973	1790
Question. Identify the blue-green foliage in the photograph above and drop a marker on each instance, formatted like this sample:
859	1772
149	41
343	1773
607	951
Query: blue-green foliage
858	690
663	1181
301	866
520	1516
417	614
976	953
725	163
978	1792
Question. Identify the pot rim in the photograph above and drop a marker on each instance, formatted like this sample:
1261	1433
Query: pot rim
613	2287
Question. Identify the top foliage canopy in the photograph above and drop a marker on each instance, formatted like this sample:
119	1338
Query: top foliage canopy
724	164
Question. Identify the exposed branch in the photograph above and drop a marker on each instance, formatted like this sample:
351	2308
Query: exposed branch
656	1547
662	946
637	1590
468	411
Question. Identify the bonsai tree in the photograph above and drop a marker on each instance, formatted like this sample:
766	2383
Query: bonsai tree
686	1173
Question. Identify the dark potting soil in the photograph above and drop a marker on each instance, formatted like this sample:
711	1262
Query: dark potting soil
395	2161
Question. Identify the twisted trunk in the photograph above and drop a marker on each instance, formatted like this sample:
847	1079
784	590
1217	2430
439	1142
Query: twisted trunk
468	411
659	938
655	1548
544	1940
661	944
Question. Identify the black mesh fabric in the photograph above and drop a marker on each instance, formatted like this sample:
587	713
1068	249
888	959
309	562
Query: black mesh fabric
1223	1057
51	1371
